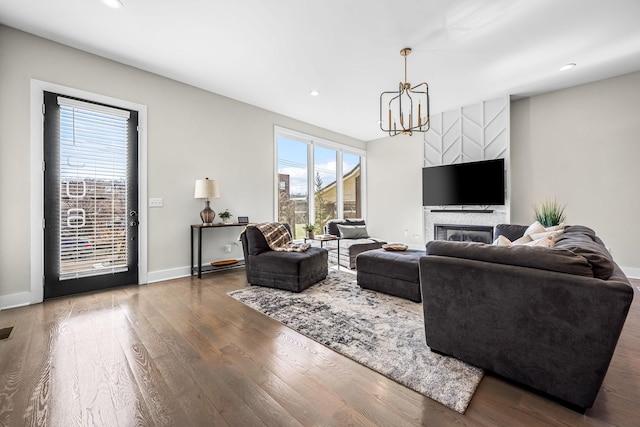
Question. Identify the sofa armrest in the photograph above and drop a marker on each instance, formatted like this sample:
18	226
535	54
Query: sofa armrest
553	331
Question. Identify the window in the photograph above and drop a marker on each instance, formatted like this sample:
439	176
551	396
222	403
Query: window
309	166
325	190
351	184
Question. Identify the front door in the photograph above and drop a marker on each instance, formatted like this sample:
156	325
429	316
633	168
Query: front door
90	196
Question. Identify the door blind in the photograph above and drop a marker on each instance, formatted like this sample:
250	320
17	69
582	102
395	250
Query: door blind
93	189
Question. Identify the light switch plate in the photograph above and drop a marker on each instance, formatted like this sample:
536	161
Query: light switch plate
155	202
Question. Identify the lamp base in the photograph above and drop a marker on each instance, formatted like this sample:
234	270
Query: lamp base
207	214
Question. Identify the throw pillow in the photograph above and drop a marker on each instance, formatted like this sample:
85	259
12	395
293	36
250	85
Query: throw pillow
544	242
536	227
353	231
332	226
523	240
537	236
502	241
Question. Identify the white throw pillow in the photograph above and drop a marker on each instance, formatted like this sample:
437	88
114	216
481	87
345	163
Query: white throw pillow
537	236
523	240
502	241
536	227
544	242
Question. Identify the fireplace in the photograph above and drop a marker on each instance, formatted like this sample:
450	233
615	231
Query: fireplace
464	233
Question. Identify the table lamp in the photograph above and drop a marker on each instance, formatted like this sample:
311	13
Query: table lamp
207	189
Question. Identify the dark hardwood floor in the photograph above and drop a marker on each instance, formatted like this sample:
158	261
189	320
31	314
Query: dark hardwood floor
183	353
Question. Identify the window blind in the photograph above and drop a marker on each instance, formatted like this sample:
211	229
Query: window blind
93	189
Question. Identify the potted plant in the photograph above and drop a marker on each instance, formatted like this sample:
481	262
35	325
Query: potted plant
549	212
310	228
226	216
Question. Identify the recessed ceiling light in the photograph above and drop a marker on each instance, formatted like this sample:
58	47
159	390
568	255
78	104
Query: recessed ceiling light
114	4
314	93
567	66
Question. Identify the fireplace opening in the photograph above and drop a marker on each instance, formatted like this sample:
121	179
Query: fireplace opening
464	233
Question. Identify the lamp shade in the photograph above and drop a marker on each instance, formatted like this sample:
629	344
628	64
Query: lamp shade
206	189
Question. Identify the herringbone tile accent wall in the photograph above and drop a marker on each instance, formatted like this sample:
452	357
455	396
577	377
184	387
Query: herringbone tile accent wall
468	134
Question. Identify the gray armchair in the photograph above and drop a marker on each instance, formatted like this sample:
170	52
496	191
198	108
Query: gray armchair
293	271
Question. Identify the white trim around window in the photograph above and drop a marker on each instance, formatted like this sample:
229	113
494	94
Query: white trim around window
316	141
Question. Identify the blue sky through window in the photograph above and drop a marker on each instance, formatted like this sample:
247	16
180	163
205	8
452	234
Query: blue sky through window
292	161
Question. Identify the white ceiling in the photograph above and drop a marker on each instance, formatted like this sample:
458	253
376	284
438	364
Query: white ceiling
273	53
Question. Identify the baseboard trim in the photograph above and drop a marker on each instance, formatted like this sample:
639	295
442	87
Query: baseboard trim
173	273
631	272
20	299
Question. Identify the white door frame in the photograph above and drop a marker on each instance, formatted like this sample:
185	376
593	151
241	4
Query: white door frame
36	240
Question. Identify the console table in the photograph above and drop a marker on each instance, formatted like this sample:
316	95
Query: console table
199	268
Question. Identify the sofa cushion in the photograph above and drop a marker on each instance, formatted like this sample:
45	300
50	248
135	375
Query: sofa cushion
256	241
332	226
582	241
580	229
353	231
554	259
510	231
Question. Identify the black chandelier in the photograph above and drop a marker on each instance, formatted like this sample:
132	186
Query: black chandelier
407	109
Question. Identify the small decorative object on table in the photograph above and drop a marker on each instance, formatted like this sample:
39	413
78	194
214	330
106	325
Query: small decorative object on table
310	228
243	220
395	247
226	216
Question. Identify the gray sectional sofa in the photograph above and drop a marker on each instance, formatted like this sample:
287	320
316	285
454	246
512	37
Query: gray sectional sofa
354	240
548	318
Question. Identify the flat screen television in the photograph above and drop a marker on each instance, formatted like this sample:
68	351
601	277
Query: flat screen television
474	183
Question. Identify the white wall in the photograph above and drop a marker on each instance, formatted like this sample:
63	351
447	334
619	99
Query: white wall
191	134
582	145
394	189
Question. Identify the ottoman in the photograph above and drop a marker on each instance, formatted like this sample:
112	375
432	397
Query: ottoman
391	272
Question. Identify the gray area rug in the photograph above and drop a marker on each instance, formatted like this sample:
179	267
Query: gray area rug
379	331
